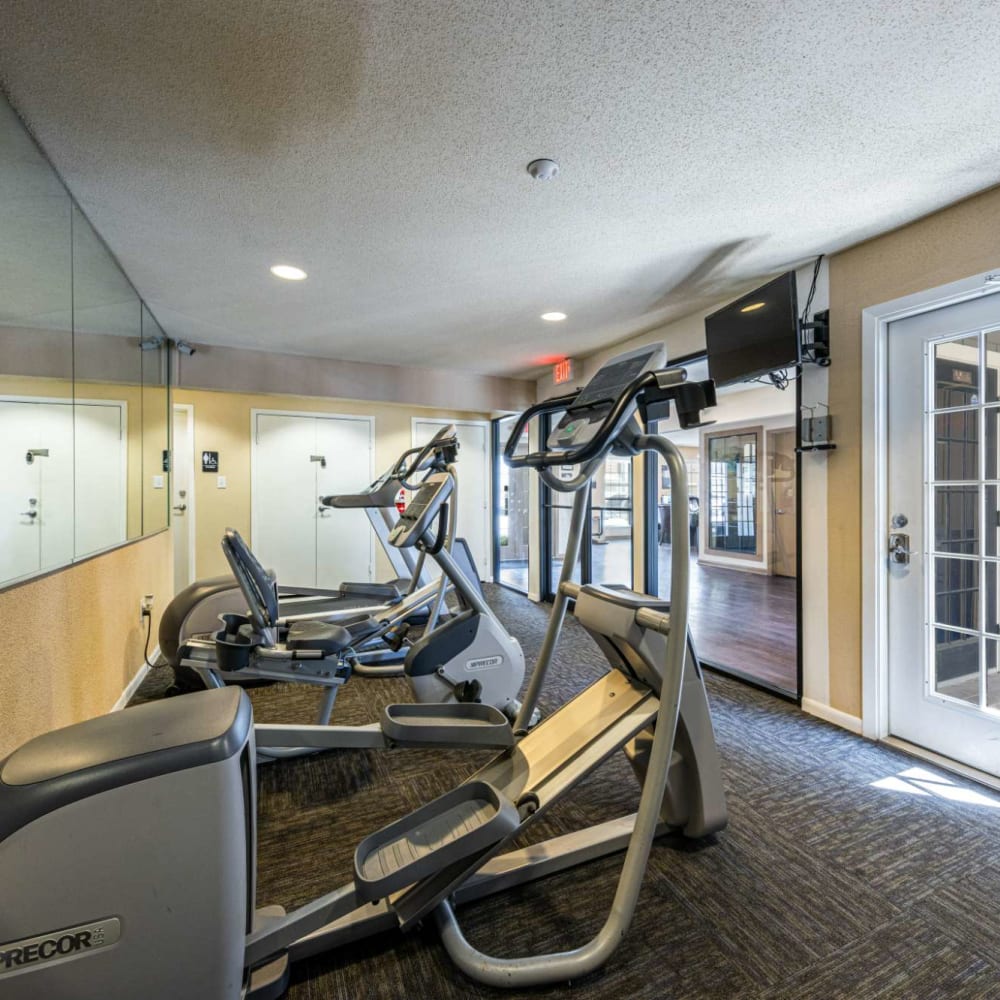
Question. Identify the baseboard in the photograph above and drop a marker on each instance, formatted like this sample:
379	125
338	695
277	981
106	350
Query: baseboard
537	598
849	722
133	685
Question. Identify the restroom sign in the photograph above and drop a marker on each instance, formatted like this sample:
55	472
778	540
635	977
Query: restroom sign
209	461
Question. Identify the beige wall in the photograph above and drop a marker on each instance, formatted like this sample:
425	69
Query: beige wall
222	424
955	243
78	641
237	370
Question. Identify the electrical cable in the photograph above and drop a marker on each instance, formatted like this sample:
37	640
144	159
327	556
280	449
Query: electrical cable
145	651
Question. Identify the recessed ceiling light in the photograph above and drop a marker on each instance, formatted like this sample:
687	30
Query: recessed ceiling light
553	317
288	272
753	307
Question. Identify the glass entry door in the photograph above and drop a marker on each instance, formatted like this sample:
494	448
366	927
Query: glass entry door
943	532
511	511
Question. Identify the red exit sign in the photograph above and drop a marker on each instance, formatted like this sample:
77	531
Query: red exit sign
562	371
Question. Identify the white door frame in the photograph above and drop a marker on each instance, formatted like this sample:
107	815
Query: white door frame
874	482
266	411
487	427
188	409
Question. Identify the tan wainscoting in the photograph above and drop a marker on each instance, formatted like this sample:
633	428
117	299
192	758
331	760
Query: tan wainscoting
74	638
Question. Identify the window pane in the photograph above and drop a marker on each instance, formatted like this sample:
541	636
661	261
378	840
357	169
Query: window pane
559	518
956	446
956	519
956	663
732	471
956	373
956	592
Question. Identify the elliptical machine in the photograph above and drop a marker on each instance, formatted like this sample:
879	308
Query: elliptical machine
378	616
163	796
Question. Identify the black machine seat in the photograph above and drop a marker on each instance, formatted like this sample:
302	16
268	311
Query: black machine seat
322	636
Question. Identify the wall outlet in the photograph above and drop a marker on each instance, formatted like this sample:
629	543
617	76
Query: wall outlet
145	607
221	483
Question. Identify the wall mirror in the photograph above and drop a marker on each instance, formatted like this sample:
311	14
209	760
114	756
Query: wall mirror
83	379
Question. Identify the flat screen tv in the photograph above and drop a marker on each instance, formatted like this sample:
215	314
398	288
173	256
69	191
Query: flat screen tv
754	335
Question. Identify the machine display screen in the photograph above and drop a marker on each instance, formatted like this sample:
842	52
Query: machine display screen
607	385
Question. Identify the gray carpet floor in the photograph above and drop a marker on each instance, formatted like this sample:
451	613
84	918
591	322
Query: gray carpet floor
848	869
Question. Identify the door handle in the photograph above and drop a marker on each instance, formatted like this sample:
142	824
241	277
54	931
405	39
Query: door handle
899	548
179	508
29	513
779	510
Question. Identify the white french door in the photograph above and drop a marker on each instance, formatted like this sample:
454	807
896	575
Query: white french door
297	458
473	484
943	475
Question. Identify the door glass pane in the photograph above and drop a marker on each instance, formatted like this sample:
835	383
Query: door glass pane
992	414
956	592
992	365
956	373
559	518
990	605
956	519
512	517
611	522
992	674
956	446
990	539
956	663
732	497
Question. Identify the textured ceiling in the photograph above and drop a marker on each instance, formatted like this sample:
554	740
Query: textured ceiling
381	145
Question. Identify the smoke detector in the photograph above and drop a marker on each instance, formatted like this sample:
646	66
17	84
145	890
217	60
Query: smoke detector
543	170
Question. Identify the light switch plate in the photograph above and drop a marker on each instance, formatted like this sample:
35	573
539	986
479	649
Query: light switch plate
157	482
221	482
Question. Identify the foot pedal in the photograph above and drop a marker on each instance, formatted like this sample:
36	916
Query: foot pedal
446	724
459	824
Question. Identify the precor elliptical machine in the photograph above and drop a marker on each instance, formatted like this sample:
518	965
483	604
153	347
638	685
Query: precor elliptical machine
377	615
127	844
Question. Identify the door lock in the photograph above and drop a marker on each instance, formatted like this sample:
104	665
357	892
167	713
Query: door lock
899	548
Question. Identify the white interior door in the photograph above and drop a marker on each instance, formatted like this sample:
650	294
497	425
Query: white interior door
99	431
943	477
70	499
283	499
182	495
297	458
473	484
345	542
20	491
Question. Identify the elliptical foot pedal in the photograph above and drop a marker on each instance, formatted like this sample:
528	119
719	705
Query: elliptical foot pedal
459	824
452	723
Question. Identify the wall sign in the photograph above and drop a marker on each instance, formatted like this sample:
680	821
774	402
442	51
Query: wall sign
166	460
562	371
209	461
